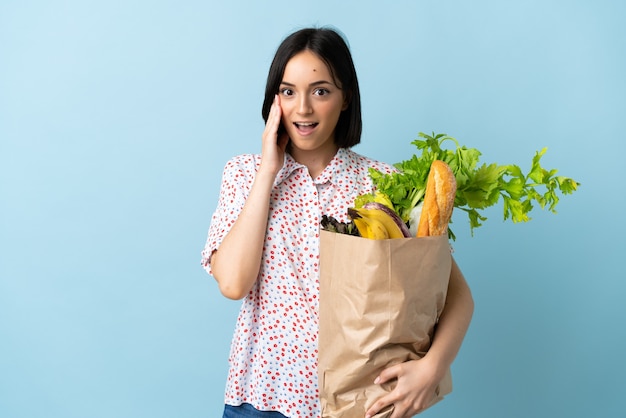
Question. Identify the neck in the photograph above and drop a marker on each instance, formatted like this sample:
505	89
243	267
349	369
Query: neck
315	160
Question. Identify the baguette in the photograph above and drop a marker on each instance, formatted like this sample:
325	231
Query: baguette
438	200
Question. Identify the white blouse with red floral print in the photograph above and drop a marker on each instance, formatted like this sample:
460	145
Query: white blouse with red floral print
273	356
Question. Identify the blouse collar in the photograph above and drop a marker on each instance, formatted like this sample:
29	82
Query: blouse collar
338	164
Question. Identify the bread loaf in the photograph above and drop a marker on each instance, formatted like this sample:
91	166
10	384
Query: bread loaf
438	200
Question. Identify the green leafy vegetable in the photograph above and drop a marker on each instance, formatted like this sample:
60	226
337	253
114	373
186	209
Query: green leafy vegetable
478	185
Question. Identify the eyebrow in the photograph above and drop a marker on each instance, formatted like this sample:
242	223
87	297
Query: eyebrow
315	83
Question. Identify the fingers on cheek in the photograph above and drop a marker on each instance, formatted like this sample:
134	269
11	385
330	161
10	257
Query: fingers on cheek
277	112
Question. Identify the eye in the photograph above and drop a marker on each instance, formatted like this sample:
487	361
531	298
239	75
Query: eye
286	91
321	92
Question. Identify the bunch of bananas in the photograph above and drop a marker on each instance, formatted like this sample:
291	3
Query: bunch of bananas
375	220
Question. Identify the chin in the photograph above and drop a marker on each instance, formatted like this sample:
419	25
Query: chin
301	146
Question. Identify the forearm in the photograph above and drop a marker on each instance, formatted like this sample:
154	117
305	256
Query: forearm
454	321
236	263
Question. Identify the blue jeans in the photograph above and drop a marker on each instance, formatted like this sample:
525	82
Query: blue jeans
245	410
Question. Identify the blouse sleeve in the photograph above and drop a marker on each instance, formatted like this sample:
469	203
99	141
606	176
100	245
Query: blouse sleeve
237	179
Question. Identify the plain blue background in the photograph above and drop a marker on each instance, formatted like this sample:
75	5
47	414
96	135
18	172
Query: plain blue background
116	118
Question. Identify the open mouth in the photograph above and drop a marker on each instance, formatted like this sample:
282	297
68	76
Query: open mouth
305	126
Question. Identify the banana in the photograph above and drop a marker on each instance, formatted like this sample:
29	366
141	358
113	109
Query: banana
371	228
368	227
375	223
390	213
393	231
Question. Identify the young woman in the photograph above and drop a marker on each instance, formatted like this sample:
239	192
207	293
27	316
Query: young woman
263	242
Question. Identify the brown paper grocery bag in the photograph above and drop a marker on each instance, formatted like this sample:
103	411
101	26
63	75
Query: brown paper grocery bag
379	303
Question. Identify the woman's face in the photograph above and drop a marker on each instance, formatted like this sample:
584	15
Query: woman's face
311	103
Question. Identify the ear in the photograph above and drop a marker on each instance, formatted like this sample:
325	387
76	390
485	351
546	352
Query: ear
347	98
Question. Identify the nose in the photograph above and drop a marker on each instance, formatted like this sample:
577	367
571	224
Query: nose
304	105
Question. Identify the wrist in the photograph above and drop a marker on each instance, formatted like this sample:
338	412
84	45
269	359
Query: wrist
266	174
436	363
268	170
